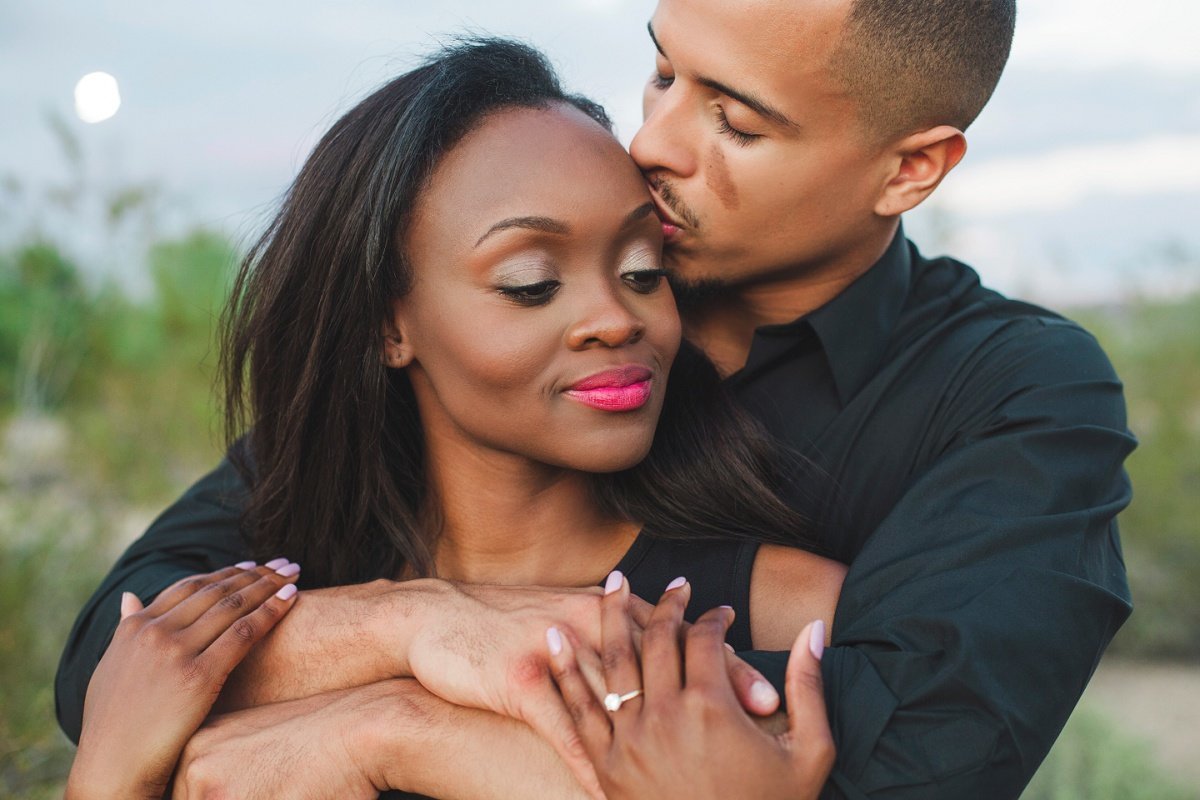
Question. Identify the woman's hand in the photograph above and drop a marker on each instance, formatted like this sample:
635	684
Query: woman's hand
164	669
684	733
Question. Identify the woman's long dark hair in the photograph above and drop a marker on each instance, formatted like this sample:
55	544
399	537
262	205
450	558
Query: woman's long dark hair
334	454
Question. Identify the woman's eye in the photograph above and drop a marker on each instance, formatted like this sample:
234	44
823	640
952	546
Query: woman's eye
644	280
660	81
531	294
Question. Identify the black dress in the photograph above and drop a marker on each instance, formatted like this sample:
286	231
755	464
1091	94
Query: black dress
718	571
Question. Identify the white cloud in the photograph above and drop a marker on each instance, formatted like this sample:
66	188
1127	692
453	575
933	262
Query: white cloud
1089	34
1061	178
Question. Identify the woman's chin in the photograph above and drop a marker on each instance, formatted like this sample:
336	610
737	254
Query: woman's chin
611	456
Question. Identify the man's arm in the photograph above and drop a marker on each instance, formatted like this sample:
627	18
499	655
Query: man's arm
357	742
975	614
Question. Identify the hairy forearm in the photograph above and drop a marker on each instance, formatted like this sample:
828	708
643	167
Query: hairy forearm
435	748
333	639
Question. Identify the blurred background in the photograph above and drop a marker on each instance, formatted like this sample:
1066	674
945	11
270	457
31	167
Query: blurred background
127	197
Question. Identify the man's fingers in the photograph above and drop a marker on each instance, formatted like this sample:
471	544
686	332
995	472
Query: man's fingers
577	726
662	660
811	740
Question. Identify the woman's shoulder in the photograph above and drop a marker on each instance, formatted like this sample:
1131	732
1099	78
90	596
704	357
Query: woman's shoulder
789	588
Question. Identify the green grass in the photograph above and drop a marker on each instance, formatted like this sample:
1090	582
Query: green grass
1094	760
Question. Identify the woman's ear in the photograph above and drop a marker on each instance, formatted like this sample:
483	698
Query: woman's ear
397	348
920	163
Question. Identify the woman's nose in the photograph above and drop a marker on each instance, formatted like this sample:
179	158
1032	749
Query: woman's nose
605	321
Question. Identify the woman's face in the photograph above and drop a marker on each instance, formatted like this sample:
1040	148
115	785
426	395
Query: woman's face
539	323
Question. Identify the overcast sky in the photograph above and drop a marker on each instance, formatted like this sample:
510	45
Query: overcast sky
1083	177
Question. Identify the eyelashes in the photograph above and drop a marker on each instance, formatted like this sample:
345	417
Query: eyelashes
642	281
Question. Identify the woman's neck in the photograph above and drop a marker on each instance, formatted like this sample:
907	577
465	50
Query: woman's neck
506	520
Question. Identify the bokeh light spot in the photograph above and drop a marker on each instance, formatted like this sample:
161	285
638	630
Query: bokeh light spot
97	97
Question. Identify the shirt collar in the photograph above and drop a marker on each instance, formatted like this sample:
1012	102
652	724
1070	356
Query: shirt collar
855	327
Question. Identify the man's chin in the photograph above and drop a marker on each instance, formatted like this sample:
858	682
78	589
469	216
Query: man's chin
692	293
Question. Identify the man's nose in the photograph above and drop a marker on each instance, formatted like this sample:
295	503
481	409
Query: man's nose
665	142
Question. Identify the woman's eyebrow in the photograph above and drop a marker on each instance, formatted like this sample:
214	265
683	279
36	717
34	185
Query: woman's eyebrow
543	224
557	227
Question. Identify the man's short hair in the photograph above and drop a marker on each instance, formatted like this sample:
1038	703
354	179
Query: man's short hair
916	64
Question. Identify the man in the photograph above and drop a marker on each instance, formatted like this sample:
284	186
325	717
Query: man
976	443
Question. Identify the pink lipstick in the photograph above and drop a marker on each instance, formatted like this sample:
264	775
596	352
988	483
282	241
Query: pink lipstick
622	389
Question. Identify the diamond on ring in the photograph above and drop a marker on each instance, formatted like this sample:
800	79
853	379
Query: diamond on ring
614	701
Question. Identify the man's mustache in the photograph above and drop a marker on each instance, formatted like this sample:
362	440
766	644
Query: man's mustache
672	201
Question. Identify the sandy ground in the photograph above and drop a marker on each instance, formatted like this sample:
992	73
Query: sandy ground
1157	702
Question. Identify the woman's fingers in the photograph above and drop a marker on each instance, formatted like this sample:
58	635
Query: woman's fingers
184	588
130	604
265	604
754	692
622	672
192	608
705	654
238	605
810	739
662	660
591	736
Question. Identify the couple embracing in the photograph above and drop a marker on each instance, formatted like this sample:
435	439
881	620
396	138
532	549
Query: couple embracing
574	474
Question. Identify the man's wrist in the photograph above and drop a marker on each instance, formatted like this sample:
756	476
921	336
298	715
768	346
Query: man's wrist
398	613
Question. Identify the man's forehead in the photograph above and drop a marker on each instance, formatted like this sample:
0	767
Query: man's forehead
774	46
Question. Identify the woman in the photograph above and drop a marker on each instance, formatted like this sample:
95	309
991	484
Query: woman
457	337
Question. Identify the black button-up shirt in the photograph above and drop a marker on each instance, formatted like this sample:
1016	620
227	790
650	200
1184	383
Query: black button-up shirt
970	454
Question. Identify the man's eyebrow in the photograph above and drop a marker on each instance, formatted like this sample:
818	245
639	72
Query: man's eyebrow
543	224
756	104
653	38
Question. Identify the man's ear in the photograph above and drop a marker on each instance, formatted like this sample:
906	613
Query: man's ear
397	347
920	162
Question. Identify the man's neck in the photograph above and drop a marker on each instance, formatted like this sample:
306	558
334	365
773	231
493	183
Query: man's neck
723	326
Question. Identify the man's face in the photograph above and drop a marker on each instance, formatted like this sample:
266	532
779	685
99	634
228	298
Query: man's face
751	145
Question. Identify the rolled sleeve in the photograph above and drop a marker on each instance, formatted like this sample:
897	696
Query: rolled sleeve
975	614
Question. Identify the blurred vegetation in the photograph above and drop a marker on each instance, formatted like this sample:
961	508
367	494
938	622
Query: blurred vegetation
107	411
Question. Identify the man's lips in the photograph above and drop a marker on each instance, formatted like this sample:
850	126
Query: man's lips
622	389
665	215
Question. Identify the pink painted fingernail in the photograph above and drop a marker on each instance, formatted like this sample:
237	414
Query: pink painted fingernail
286	592
614	581
763	694
130	604
275	563
246	565
554	641
675	584
816	639
729	647
289	570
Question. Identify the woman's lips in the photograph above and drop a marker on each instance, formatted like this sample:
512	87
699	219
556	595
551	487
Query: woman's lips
621	389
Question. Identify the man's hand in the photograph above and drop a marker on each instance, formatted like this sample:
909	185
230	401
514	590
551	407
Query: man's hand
486	650
326	746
